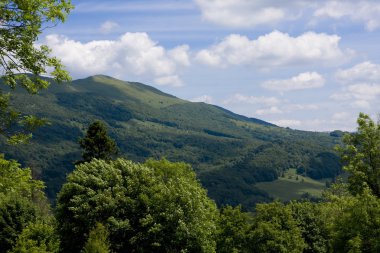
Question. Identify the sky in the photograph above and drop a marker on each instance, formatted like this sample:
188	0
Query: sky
308	65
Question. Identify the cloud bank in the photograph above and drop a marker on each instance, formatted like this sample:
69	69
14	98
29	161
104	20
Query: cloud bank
274	49
131	54
249	13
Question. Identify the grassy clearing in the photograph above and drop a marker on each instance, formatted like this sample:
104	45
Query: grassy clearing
291	186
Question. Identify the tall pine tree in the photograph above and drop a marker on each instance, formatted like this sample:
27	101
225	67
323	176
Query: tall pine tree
97	143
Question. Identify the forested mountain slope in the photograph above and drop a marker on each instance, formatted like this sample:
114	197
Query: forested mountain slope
229	152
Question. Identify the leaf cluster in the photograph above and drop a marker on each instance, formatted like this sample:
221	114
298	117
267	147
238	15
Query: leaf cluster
22	62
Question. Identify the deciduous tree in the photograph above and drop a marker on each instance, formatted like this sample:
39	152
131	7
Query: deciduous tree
361	156
22	61
156	207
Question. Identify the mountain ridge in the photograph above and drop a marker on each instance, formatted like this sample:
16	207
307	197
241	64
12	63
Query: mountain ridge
229	152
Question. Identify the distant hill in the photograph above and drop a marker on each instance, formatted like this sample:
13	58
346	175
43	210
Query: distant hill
229	152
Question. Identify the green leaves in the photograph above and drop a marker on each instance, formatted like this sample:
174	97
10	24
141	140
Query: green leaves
97	240
361	156
22	202
157	207
13	179
22	61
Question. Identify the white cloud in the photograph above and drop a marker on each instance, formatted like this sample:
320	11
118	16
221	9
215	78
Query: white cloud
174	81
131	54
359	11
251	13
108	27
241	13
239	98
364	91
180	54
361	85
275	49
269	111
205	98
365	71
120	6
302	81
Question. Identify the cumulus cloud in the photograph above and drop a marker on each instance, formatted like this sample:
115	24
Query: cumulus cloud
359	11
180	54
274	49
204	98
302	81
108	27
361	85
365	71
174	81
131	54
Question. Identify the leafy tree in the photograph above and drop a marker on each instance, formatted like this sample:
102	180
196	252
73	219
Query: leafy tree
313	224
97	240
97	143
361	155
14	179
21	23
37	238
356	226
15	214
275	230
156	207
22	202
234	226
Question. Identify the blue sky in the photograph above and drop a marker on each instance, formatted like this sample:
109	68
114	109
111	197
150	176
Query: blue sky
310	65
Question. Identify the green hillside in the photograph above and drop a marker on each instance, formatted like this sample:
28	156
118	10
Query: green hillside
229	152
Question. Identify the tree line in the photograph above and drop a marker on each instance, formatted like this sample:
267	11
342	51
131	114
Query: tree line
116	205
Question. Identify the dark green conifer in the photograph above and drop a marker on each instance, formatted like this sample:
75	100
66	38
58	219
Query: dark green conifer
97	143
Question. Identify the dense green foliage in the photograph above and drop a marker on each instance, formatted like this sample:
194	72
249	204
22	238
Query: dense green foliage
37	237
22	204
234	226
97	144
156	207
229	152
97	241
21	23
160	206
360	154
275	230
311	217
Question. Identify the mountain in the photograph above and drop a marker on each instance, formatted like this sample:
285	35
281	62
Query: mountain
229	152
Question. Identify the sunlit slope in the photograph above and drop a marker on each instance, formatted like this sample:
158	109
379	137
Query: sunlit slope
230	152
